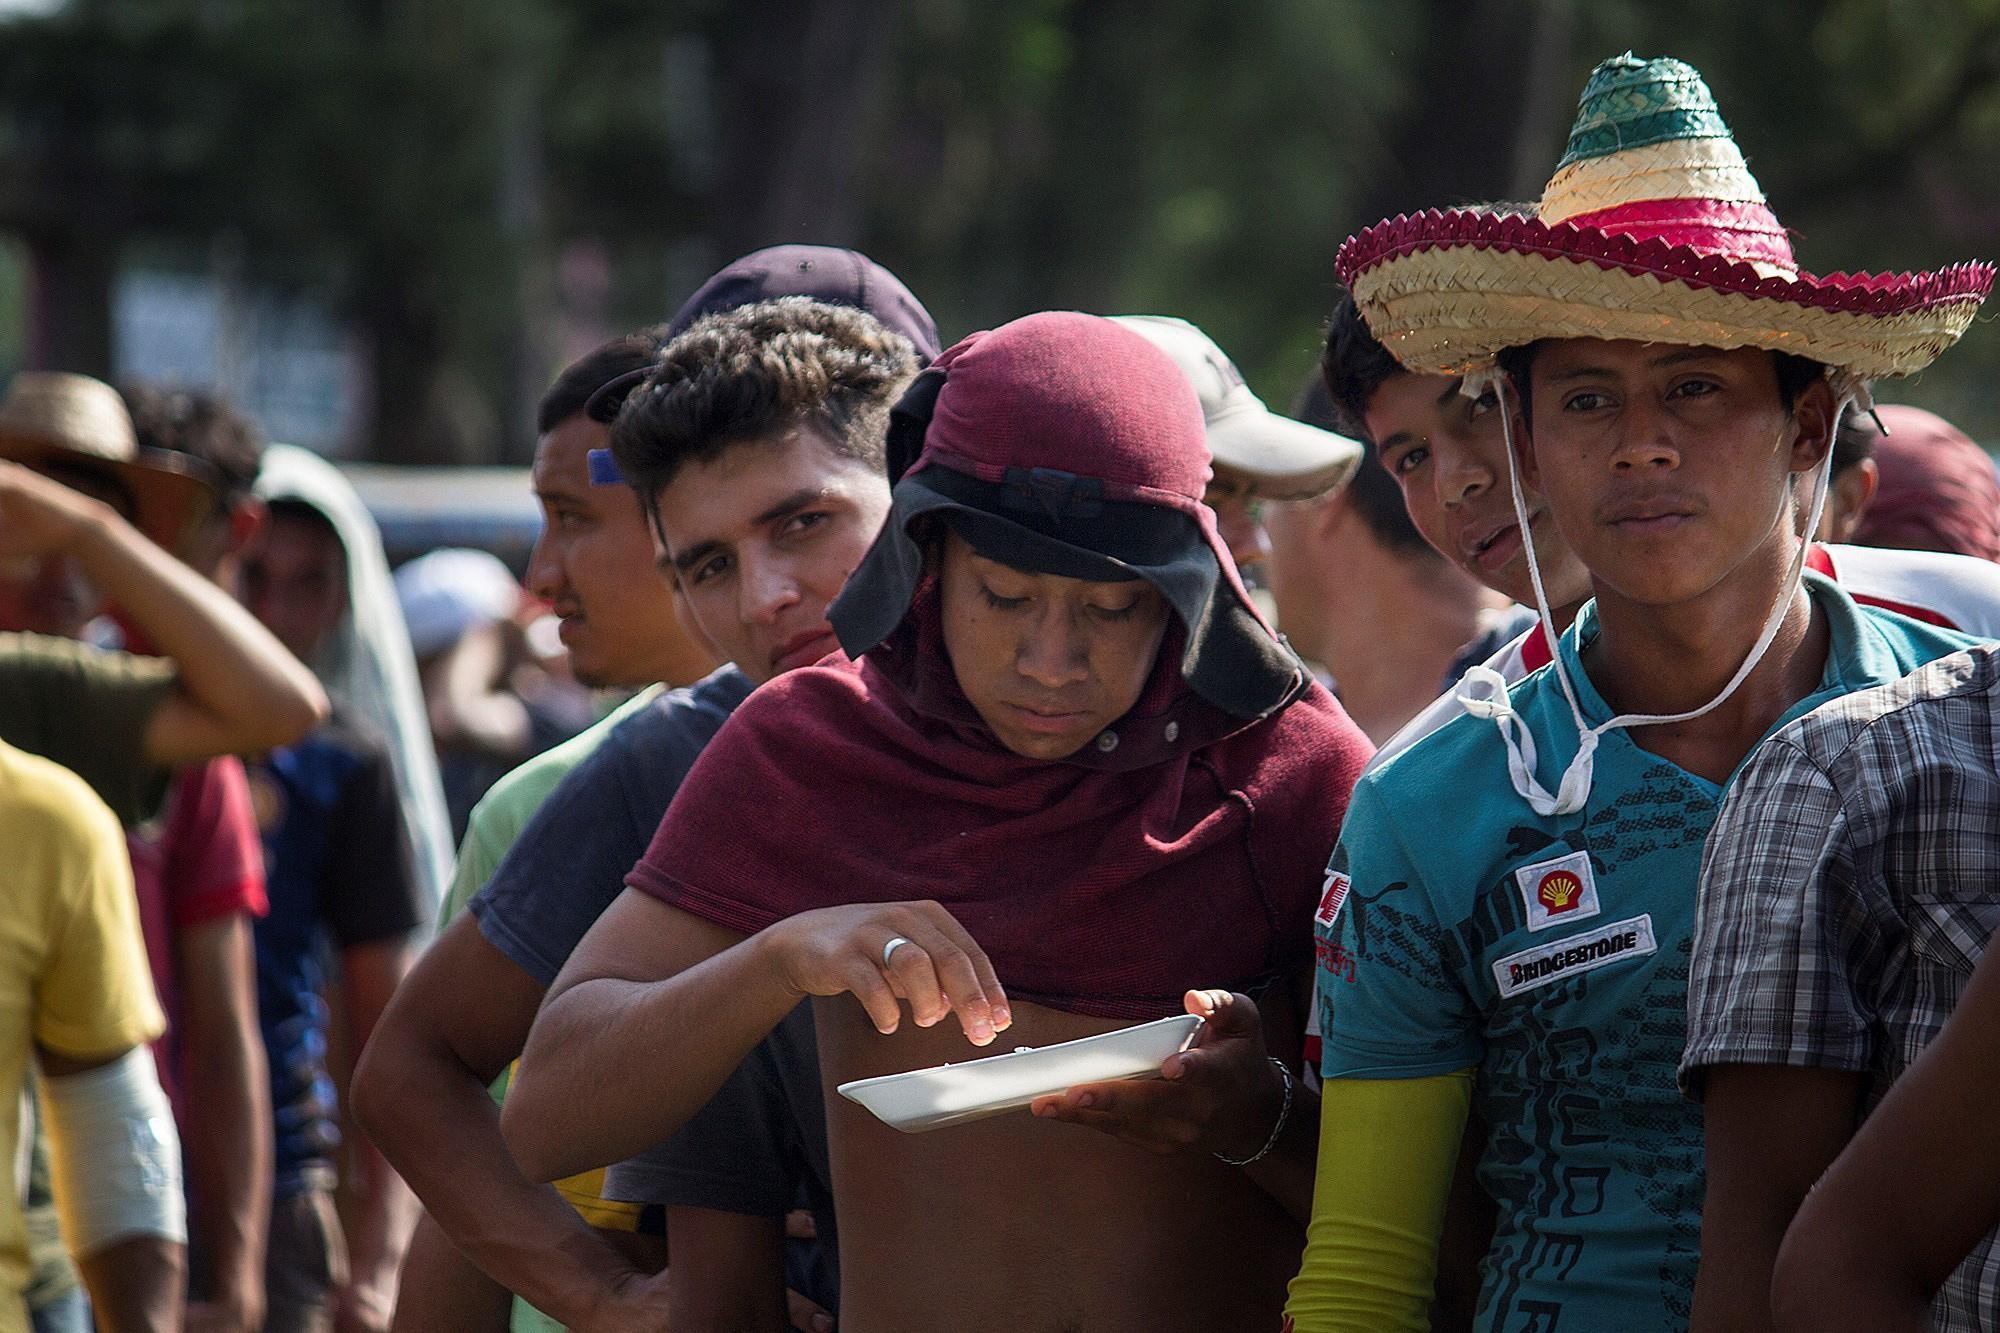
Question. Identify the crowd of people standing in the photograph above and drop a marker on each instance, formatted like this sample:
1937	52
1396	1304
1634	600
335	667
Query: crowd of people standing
1558	766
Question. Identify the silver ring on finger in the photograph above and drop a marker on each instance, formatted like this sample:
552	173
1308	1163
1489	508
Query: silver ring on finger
891	947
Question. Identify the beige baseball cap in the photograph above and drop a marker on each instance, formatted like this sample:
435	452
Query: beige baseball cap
1283	459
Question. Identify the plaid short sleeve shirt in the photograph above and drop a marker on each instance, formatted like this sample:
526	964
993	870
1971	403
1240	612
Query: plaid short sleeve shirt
1848	888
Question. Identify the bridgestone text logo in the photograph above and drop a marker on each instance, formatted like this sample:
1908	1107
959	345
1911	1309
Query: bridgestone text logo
1617	942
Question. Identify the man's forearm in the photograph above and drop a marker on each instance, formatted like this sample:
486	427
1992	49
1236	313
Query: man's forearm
1849	1277
228	1148
384	1211
564	1115
437	1125
1387	1151
441	1288
137	1285
228	1145
378	1231
1286	1172
521	1234
230	666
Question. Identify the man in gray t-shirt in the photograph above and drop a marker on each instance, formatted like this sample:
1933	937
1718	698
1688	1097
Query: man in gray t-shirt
759	1148
798	511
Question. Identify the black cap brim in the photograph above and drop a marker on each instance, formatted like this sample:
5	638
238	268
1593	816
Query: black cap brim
1231	658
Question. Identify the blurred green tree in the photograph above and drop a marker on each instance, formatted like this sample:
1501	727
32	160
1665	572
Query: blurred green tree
429	164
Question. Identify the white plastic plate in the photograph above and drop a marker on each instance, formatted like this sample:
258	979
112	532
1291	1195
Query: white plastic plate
953	1094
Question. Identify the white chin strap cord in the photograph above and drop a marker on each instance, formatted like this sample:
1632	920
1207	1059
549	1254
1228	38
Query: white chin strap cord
1482	691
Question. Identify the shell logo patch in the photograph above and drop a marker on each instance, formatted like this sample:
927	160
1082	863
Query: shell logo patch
1558	892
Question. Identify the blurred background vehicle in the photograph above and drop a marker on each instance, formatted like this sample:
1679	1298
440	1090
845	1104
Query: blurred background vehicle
420	509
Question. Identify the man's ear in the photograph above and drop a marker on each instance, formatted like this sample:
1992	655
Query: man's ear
1853	491
1328	513
246	519
1812	411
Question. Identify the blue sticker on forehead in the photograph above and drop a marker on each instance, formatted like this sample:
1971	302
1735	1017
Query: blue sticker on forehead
604	469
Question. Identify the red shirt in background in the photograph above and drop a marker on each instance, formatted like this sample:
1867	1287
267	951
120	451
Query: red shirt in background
201	860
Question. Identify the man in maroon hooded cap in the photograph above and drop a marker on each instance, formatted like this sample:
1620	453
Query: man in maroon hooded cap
1937	489
1068	777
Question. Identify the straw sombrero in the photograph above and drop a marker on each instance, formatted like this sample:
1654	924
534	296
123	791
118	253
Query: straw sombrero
1654	230
51	417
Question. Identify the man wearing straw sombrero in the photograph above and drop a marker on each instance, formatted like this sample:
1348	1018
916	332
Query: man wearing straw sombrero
1665	371
1448	453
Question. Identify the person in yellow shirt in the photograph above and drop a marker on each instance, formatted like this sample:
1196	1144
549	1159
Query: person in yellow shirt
77	1004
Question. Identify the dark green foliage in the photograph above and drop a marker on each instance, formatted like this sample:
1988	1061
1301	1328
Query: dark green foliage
423	162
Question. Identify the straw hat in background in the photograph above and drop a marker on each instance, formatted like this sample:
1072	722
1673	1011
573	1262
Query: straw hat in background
1652	229
53	418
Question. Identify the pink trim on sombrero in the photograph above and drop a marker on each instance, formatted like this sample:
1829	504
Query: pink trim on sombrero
1740	231
1855	293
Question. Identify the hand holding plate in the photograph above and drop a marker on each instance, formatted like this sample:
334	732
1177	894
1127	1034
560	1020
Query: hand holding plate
1219	1095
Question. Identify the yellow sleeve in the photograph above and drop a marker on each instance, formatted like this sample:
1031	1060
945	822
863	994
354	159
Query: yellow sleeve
94	996
1387	1152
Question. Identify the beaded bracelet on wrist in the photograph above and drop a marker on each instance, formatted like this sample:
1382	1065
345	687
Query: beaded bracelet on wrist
1284	1114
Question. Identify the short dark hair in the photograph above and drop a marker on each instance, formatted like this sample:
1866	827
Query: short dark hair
1855	442
756	372
1353	367
199	425
291	509
1794	374
1375	494
582	378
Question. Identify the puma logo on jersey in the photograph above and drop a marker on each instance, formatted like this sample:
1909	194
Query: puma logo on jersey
1331	894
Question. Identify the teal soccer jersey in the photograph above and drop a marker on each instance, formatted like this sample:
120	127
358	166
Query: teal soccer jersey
1461	929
